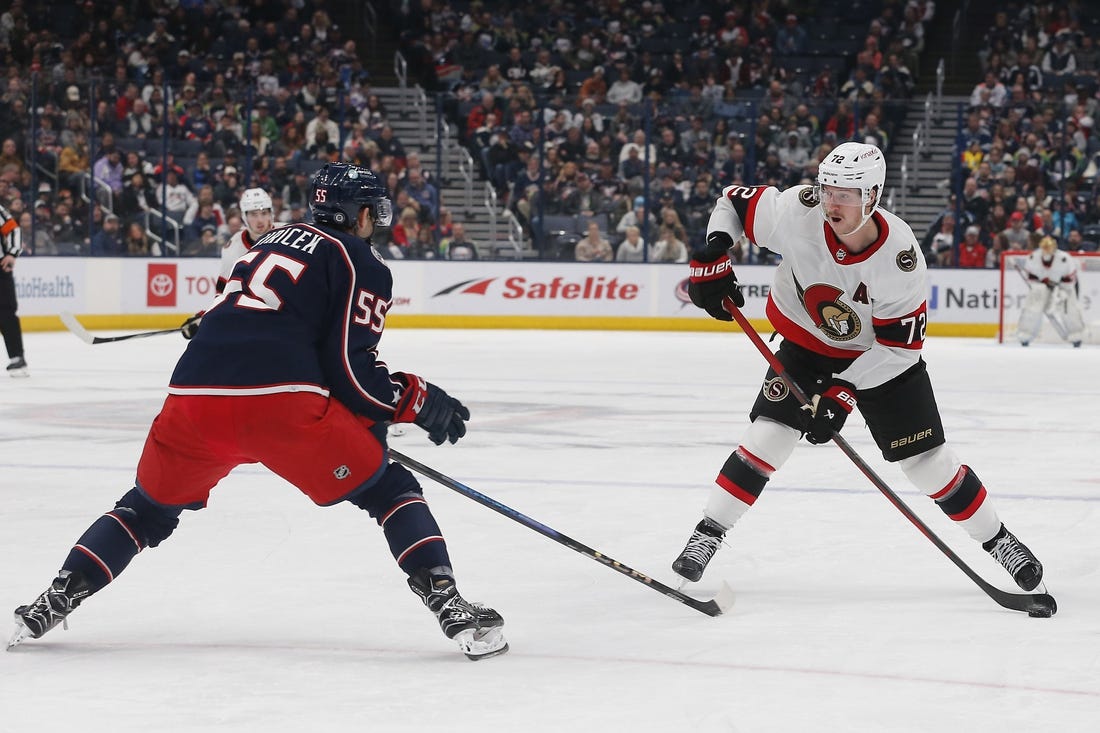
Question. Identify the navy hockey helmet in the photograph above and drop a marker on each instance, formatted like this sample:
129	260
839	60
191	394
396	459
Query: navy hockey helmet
340	190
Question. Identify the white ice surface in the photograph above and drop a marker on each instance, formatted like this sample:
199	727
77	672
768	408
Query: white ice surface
265	613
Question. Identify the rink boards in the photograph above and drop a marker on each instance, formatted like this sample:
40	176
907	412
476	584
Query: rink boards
143	293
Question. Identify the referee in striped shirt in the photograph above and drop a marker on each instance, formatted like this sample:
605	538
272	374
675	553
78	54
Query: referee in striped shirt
11	244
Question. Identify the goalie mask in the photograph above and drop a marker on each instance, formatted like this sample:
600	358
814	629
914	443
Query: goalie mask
1048	247
341	190
854	165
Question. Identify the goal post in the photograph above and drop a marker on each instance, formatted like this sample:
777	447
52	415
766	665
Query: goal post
1014	287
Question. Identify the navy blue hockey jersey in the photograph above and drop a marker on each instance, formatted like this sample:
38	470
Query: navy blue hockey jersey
303	310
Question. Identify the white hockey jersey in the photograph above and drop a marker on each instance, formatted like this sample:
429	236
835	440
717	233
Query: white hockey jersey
1062	269
233	250
870	306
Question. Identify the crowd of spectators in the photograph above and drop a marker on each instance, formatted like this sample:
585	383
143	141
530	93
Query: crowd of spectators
577	110
631	116
1027	158
133	128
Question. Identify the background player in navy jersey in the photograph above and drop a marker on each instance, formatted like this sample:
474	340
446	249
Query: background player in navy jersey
285	372
848	299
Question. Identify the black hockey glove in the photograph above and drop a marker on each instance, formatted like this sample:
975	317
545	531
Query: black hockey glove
830	410
191	326
712	280
422	403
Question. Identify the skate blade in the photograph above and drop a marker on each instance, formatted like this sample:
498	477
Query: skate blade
19	373
478	644
22	633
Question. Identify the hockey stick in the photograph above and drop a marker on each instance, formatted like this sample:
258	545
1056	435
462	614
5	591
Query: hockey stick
1037	604
714	607
82	333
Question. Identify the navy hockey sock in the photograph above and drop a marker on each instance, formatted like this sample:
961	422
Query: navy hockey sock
396	502
104	550
108	546
414	536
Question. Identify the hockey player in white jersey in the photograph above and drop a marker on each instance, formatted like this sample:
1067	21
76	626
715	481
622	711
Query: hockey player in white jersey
849	300
1052	277
258	215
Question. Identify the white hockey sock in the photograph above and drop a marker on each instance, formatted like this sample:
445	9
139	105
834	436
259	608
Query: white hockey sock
956	489
765	446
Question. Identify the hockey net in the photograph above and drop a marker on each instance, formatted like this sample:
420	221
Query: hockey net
1014	289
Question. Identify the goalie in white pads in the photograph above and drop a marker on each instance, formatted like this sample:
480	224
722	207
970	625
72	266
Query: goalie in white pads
258	217
1052	278
849	300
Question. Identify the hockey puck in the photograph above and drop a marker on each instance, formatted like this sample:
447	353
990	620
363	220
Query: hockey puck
1043	609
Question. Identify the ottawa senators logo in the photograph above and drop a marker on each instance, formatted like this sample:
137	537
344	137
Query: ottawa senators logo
835	318
907	260
776	390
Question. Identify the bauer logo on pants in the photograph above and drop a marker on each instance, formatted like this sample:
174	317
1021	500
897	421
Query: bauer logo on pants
160	288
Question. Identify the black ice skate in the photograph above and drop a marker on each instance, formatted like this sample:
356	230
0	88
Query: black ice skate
700	548
1014	556
17	367
67	591
477	629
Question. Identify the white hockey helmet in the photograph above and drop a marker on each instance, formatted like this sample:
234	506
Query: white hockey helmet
255	199
855	165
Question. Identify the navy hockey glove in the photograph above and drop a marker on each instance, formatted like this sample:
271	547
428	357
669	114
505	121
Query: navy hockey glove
191	326
830	410
428	406
712	280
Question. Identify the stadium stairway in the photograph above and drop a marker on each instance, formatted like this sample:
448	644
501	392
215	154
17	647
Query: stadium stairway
929	172
462	187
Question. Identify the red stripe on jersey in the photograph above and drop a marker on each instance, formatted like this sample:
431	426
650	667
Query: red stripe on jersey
950	485
901	345
126	528
400	506
415	545
760	466
790	330
849	258
974	506
95	558
734	490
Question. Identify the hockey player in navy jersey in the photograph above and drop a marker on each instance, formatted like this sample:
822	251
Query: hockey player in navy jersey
848	299
285	372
